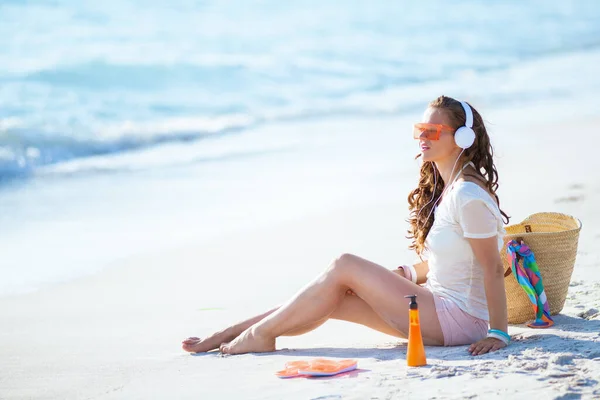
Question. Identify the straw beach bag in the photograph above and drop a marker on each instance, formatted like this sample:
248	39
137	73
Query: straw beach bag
553	238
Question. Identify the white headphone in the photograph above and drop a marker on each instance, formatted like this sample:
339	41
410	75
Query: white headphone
465	135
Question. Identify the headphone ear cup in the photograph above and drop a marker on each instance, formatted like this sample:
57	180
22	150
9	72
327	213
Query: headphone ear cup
464	137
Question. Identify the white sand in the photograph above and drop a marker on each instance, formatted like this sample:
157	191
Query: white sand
117	334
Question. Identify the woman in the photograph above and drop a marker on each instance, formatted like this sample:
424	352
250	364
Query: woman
455	222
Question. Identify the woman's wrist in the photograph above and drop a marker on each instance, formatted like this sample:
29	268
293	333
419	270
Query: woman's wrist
404	272
409	272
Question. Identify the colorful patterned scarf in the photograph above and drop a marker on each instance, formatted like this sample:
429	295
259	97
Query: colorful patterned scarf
529	277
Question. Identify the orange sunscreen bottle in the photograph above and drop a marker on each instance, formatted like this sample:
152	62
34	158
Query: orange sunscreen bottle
415	355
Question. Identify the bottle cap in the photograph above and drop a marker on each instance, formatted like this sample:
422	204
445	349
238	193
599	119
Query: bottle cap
413	301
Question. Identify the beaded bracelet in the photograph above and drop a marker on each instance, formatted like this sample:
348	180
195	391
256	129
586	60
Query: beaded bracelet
498	334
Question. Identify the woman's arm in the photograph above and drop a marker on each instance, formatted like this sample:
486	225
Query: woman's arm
486	252
421	269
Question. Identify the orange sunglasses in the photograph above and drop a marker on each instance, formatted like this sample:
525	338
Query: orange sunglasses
430	131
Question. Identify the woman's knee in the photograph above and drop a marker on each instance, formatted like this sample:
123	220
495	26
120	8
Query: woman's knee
342	263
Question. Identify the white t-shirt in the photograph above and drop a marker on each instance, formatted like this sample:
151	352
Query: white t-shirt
466	211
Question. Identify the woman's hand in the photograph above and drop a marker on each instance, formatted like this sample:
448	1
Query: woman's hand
485	346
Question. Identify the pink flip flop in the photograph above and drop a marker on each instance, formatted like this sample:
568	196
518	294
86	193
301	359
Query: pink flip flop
291	369
316	367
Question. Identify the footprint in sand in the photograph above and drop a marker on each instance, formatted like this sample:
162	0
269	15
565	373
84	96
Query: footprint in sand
570	199
591	313
573	198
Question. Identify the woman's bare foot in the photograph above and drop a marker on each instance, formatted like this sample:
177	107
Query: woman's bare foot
248	342
197	345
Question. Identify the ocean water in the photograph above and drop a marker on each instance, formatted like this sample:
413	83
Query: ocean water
134	125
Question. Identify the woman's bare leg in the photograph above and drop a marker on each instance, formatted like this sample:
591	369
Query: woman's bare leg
352	309
381	289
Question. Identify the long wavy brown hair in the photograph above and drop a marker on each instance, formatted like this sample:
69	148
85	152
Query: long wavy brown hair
480	153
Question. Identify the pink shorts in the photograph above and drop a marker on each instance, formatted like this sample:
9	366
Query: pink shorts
458	326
